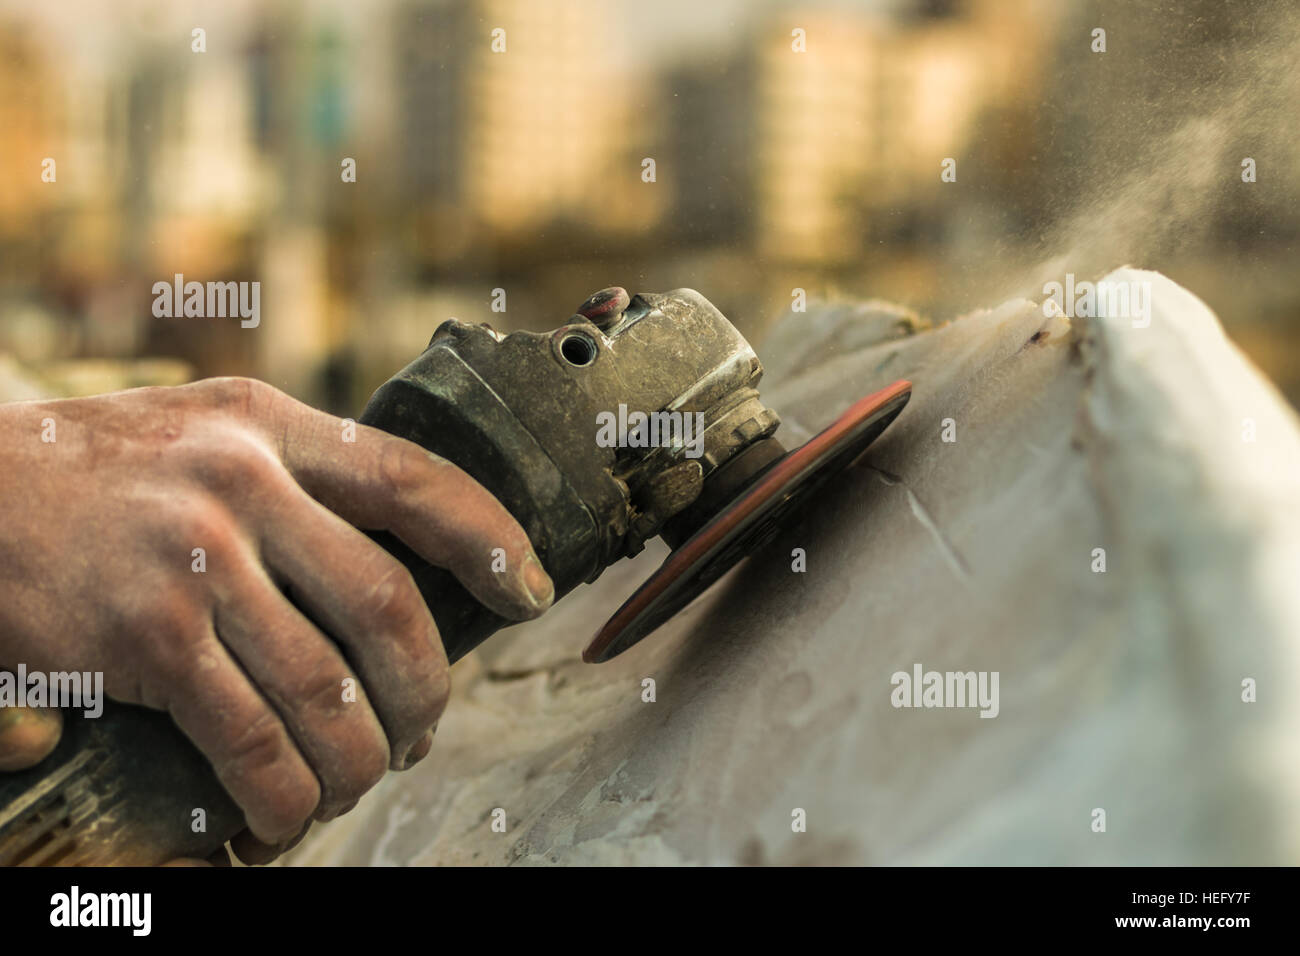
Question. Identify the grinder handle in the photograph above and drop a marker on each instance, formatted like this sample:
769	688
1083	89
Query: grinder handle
126	787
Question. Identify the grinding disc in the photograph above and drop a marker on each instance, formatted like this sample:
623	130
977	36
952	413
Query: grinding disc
749	521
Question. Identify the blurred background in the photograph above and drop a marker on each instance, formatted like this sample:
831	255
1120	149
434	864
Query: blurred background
523	169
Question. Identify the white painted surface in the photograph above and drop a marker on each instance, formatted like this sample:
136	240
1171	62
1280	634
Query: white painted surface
1119	690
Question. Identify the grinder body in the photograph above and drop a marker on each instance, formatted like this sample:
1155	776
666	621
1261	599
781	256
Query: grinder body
519	414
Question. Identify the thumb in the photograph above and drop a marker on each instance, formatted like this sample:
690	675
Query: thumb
27	736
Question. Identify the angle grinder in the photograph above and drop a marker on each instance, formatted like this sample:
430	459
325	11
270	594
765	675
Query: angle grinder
697	465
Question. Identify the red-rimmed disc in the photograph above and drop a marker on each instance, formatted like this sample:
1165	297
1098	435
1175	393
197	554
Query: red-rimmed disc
748	522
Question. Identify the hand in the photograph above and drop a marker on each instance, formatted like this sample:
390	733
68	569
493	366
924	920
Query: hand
159	537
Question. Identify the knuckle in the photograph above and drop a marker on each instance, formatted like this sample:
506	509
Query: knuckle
242	465
172	635
351	752
262	743
238	393
319	698
393	600
414	684
321	690
172	618
206	524
169	641
403	466
264	746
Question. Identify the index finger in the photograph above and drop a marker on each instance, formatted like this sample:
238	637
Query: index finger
380	482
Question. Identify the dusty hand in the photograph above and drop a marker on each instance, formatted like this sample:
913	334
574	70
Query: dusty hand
160	535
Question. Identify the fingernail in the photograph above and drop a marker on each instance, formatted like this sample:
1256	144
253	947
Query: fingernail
419	750
538	582
303	834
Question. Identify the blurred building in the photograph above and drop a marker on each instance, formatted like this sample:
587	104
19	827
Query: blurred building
32	119
544	117
857	126
817	130
710	137
515	159
516	120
